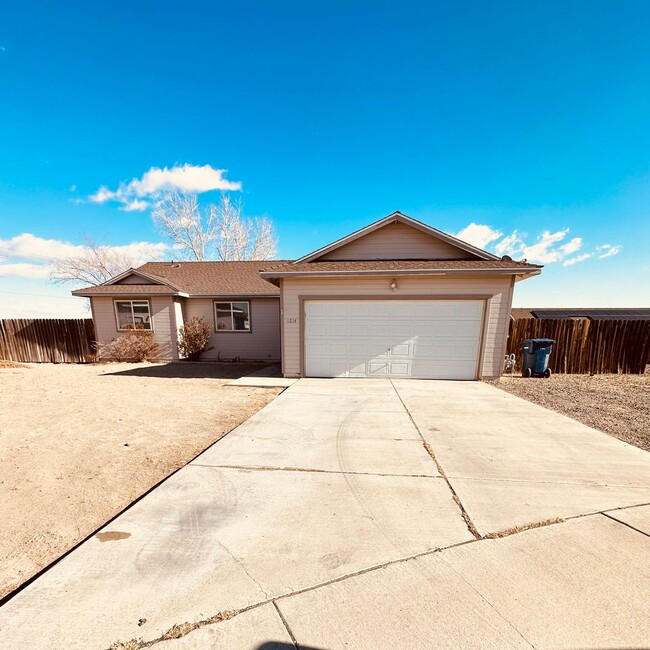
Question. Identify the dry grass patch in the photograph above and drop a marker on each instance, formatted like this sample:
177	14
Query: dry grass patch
133	644
616	404
4	363
506	532
176	631
79	443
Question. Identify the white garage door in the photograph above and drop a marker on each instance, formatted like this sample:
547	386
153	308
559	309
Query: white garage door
426	339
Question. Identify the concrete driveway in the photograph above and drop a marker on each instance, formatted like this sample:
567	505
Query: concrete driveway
369	514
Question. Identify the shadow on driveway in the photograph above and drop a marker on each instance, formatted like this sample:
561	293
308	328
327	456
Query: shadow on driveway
279	645
190	370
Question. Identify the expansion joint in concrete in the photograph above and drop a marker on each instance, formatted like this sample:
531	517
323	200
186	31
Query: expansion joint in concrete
286	626
272	468
624	523
185	628
465	515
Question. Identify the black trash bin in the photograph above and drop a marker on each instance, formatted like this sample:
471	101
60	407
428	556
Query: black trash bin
536	353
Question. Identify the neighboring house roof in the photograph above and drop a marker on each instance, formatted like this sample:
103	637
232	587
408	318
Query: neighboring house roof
192	279
521	312
402	218
390	267
593	313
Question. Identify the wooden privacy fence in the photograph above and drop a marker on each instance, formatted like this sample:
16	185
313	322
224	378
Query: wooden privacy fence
49	340
583	346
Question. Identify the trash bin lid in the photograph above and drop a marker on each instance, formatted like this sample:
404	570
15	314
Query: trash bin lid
549	341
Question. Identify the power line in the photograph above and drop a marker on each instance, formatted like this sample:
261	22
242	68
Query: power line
10	254
39	295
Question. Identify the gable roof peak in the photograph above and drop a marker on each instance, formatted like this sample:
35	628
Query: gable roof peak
156	279
393	217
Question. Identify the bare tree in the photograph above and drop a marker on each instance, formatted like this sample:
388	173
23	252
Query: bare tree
179	218
95	264
218	231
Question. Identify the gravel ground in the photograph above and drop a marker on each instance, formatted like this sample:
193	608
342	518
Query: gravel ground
616	404
78	443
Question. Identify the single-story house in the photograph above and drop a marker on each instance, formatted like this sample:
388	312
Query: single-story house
397	298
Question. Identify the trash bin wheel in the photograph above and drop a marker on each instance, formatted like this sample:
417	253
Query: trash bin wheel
547	373
527	372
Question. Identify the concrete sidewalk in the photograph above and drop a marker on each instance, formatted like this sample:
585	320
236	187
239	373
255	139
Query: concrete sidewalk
326	520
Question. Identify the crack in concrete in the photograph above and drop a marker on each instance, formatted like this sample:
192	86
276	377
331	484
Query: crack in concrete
239	563
487	602
464	514
186	628
271	468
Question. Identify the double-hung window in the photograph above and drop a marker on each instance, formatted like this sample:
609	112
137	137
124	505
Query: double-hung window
232	316
132	315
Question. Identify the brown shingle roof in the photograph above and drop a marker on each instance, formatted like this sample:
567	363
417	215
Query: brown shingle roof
195	279
215	278
244	279
397	265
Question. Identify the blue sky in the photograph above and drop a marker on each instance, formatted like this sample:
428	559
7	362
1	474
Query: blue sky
531	117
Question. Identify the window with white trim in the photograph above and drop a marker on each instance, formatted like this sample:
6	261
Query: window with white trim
132	315
232	316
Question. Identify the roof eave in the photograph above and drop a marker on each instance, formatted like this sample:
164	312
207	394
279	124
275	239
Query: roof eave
85	293
244	294
393	272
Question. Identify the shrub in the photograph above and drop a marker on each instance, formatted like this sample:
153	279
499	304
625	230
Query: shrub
194	337
135	345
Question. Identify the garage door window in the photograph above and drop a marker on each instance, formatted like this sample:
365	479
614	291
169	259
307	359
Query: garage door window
232	316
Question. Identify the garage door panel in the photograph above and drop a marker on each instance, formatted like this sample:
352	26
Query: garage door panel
401	349
394	338
400	369
379	330
317	309
378	368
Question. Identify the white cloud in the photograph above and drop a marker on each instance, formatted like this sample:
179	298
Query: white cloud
30	246
30	256
607	250
571	247
43	303
136	205
25	270
193	179
478	235
549	246
509	245
543	249
575	260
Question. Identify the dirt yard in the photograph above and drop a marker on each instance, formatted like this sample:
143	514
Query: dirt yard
616	404
79	443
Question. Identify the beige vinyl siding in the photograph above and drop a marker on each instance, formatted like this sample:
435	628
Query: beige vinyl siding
135	279
178	318
161	308
262	343
397	241
497	316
